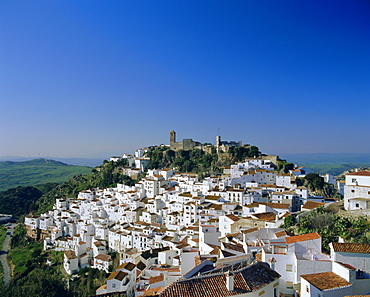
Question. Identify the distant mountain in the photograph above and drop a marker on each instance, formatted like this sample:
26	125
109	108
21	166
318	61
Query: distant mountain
334	164
327	158
89	162
37	171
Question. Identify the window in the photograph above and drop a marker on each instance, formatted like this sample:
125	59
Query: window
289	285
289	267
354	180
113	285
352	191
357	205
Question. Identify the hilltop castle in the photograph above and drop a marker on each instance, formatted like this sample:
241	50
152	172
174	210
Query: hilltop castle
189	144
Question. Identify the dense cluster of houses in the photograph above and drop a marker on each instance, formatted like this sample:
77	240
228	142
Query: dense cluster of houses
176	235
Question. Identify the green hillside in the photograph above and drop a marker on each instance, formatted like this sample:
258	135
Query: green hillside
334	169
38	171
21	200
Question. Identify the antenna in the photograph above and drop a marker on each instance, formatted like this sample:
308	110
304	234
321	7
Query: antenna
218	131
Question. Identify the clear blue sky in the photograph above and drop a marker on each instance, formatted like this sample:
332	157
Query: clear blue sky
99	78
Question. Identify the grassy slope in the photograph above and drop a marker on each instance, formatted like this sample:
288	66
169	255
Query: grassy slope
14	174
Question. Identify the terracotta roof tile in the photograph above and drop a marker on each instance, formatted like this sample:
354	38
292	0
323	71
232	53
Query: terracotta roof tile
128	266
70	255
118	275
326	280
156	279
304	237
250	230
265	216
246	280
275	205
103	257
312	204
234	247
362	248
233	217
280	234
360	173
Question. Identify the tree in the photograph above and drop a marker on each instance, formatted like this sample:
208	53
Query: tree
314	182
289	221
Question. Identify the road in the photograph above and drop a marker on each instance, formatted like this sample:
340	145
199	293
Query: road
4	254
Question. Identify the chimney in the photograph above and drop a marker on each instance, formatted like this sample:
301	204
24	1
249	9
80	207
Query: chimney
272	261
229	281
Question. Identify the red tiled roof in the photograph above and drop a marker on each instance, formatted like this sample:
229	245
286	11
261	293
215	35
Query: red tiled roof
326	280
312	204
276	205
233	217
249	279
280	234
234	247
70	255
156	279
360	173
128	266
249	230
103	257
362	248
304	237
118	275
265	216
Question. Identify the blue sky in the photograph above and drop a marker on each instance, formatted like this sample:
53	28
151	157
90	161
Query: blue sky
100	78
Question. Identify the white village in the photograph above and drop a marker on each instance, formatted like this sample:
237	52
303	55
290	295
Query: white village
178	235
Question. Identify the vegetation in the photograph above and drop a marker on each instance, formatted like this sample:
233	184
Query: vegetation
89	280
196	160
39	171
20	201
109	174
39	283
316	185
2	239
32	276
283	166
239	154
332	226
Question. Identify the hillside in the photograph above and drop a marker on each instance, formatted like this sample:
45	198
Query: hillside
20	200
103	176
38	171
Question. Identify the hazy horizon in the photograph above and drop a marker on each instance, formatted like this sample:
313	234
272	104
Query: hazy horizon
94	78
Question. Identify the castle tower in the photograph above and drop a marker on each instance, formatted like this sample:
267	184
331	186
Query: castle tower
172	137
218	141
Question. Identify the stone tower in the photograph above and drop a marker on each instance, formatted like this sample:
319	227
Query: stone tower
218	141
172	137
